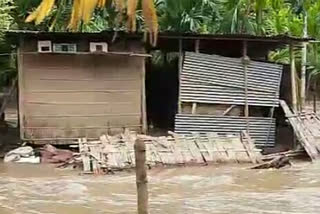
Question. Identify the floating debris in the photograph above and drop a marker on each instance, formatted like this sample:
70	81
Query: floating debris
306	127
117	152
24	154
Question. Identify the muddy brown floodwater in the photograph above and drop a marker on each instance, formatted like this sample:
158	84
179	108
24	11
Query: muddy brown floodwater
39	189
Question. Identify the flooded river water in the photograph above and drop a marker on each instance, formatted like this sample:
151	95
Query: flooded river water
35	189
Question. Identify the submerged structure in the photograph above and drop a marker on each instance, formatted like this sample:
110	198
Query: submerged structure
84	85
79	85
222	87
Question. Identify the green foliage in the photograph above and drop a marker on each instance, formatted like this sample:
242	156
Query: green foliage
262	17
188	15
6	67
280	56
258	17
314	20
5	17
237	17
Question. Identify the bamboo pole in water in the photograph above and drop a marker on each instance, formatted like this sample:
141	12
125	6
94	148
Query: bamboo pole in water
141	176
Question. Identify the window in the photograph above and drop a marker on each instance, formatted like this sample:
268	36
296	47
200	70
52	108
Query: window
64	48
98	47
45	49
44	46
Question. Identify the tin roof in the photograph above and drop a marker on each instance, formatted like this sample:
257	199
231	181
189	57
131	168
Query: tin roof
222	44
169	35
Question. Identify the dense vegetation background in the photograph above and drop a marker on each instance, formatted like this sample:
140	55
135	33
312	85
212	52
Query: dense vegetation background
258	17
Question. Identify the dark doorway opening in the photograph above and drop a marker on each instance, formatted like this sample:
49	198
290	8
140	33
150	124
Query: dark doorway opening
161	92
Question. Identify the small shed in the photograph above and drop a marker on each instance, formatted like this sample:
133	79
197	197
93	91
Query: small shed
215	90
226	85
75	85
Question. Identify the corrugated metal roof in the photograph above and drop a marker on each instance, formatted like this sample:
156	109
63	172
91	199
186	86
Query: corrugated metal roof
171	35
221	44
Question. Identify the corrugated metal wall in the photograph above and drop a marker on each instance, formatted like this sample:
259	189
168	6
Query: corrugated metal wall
262	130
220	80
212	79
71	96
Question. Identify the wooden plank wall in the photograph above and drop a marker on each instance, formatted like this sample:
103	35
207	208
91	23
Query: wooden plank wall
72	96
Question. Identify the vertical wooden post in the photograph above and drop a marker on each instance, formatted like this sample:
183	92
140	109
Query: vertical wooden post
303	76
179	73
197	46
245	68
304	63
315	88
314	93
197	50
315	48
293	79
84	151
194	108
20	88
165	58
143	100
141	176
314	102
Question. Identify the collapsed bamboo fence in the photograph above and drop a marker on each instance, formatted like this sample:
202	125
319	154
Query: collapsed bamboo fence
117	152
307	129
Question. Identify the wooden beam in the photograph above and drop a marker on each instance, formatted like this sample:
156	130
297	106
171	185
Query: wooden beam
315	88
83	115
293	79
303	131
228	110
245	68
76	103
20	88
303	76
143	99
82	91
179	73
194	108
128	54
315	98
83	149
304	51
165	58
78	127
197	46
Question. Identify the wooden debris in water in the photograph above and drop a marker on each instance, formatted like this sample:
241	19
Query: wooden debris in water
290	154
307	129
117	152
277	163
